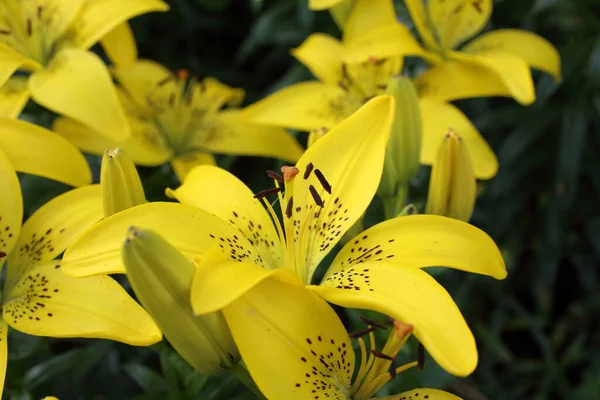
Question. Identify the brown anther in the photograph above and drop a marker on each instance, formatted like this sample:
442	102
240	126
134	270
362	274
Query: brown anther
308	170
29	28
289	173
392	369
372	60
266	192
375	324
379	354
362	332
182	74
274	175
165	80
316	196
402	329
323	181
289	208
2	254
39	12
421	357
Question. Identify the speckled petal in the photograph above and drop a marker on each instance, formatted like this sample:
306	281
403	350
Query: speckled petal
421	394
53	227
219	192
11	207
293	343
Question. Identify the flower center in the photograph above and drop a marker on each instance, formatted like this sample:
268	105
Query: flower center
379	367
366	80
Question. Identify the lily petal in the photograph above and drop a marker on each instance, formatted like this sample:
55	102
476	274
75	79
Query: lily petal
46	302
322	4
220	193
35	150
54	226
456	20
142	145
11	207
322	54
98	18
90	99
183	164
430	394
303	106
14	95
211	95
119	45
141	79
419	241
418	15
412	296
366	16
10	61
437	118
353	175
3	353
189	229
229	134
467	75
534	49
277	324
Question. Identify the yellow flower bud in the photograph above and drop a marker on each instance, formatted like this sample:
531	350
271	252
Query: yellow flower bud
404	145
161	278
121	184
452	188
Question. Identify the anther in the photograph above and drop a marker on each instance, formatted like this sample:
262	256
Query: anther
379	354
165	80
392	369
316	196
266	192
362	332
29	29
182	74
2	254
5	32
274	175
323	181
375	324
39	12
421	357
289	173
289	208
309	168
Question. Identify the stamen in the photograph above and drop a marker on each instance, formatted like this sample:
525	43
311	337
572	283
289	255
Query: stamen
316	196
5	32
289	173
39	12
288	209
274	175
421	357
182	74
2	254
372	323
323	181
266	192
362	332
28	26
308	170
379	354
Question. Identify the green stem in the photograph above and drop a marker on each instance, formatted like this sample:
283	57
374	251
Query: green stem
240	371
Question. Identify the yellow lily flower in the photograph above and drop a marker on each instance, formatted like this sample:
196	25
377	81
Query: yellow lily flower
34	150
179	120
496	63
37	298
343	88
49	39
324	196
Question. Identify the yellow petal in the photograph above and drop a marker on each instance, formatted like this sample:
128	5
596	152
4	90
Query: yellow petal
353	175
429	394
220	193
120	182
144	145
322	54
466	75
418	15
322	4
98	18
3	353
303	106
187	228
183	164
46	302
10	61
35	150
437	118
420	241
412	296
53	227
366	16
11	207
227	133
534	49
293	343
90	97
13	97
386	41
119	45
457	20
161	278
211	95
141	79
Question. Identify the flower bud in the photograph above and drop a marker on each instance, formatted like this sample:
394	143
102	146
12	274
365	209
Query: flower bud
404	145
161	278
121	184
452	188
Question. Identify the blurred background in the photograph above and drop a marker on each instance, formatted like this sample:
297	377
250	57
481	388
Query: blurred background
536	330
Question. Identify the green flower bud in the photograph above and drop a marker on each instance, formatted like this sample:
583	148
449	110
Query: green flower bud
121	184
452	188
161	278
